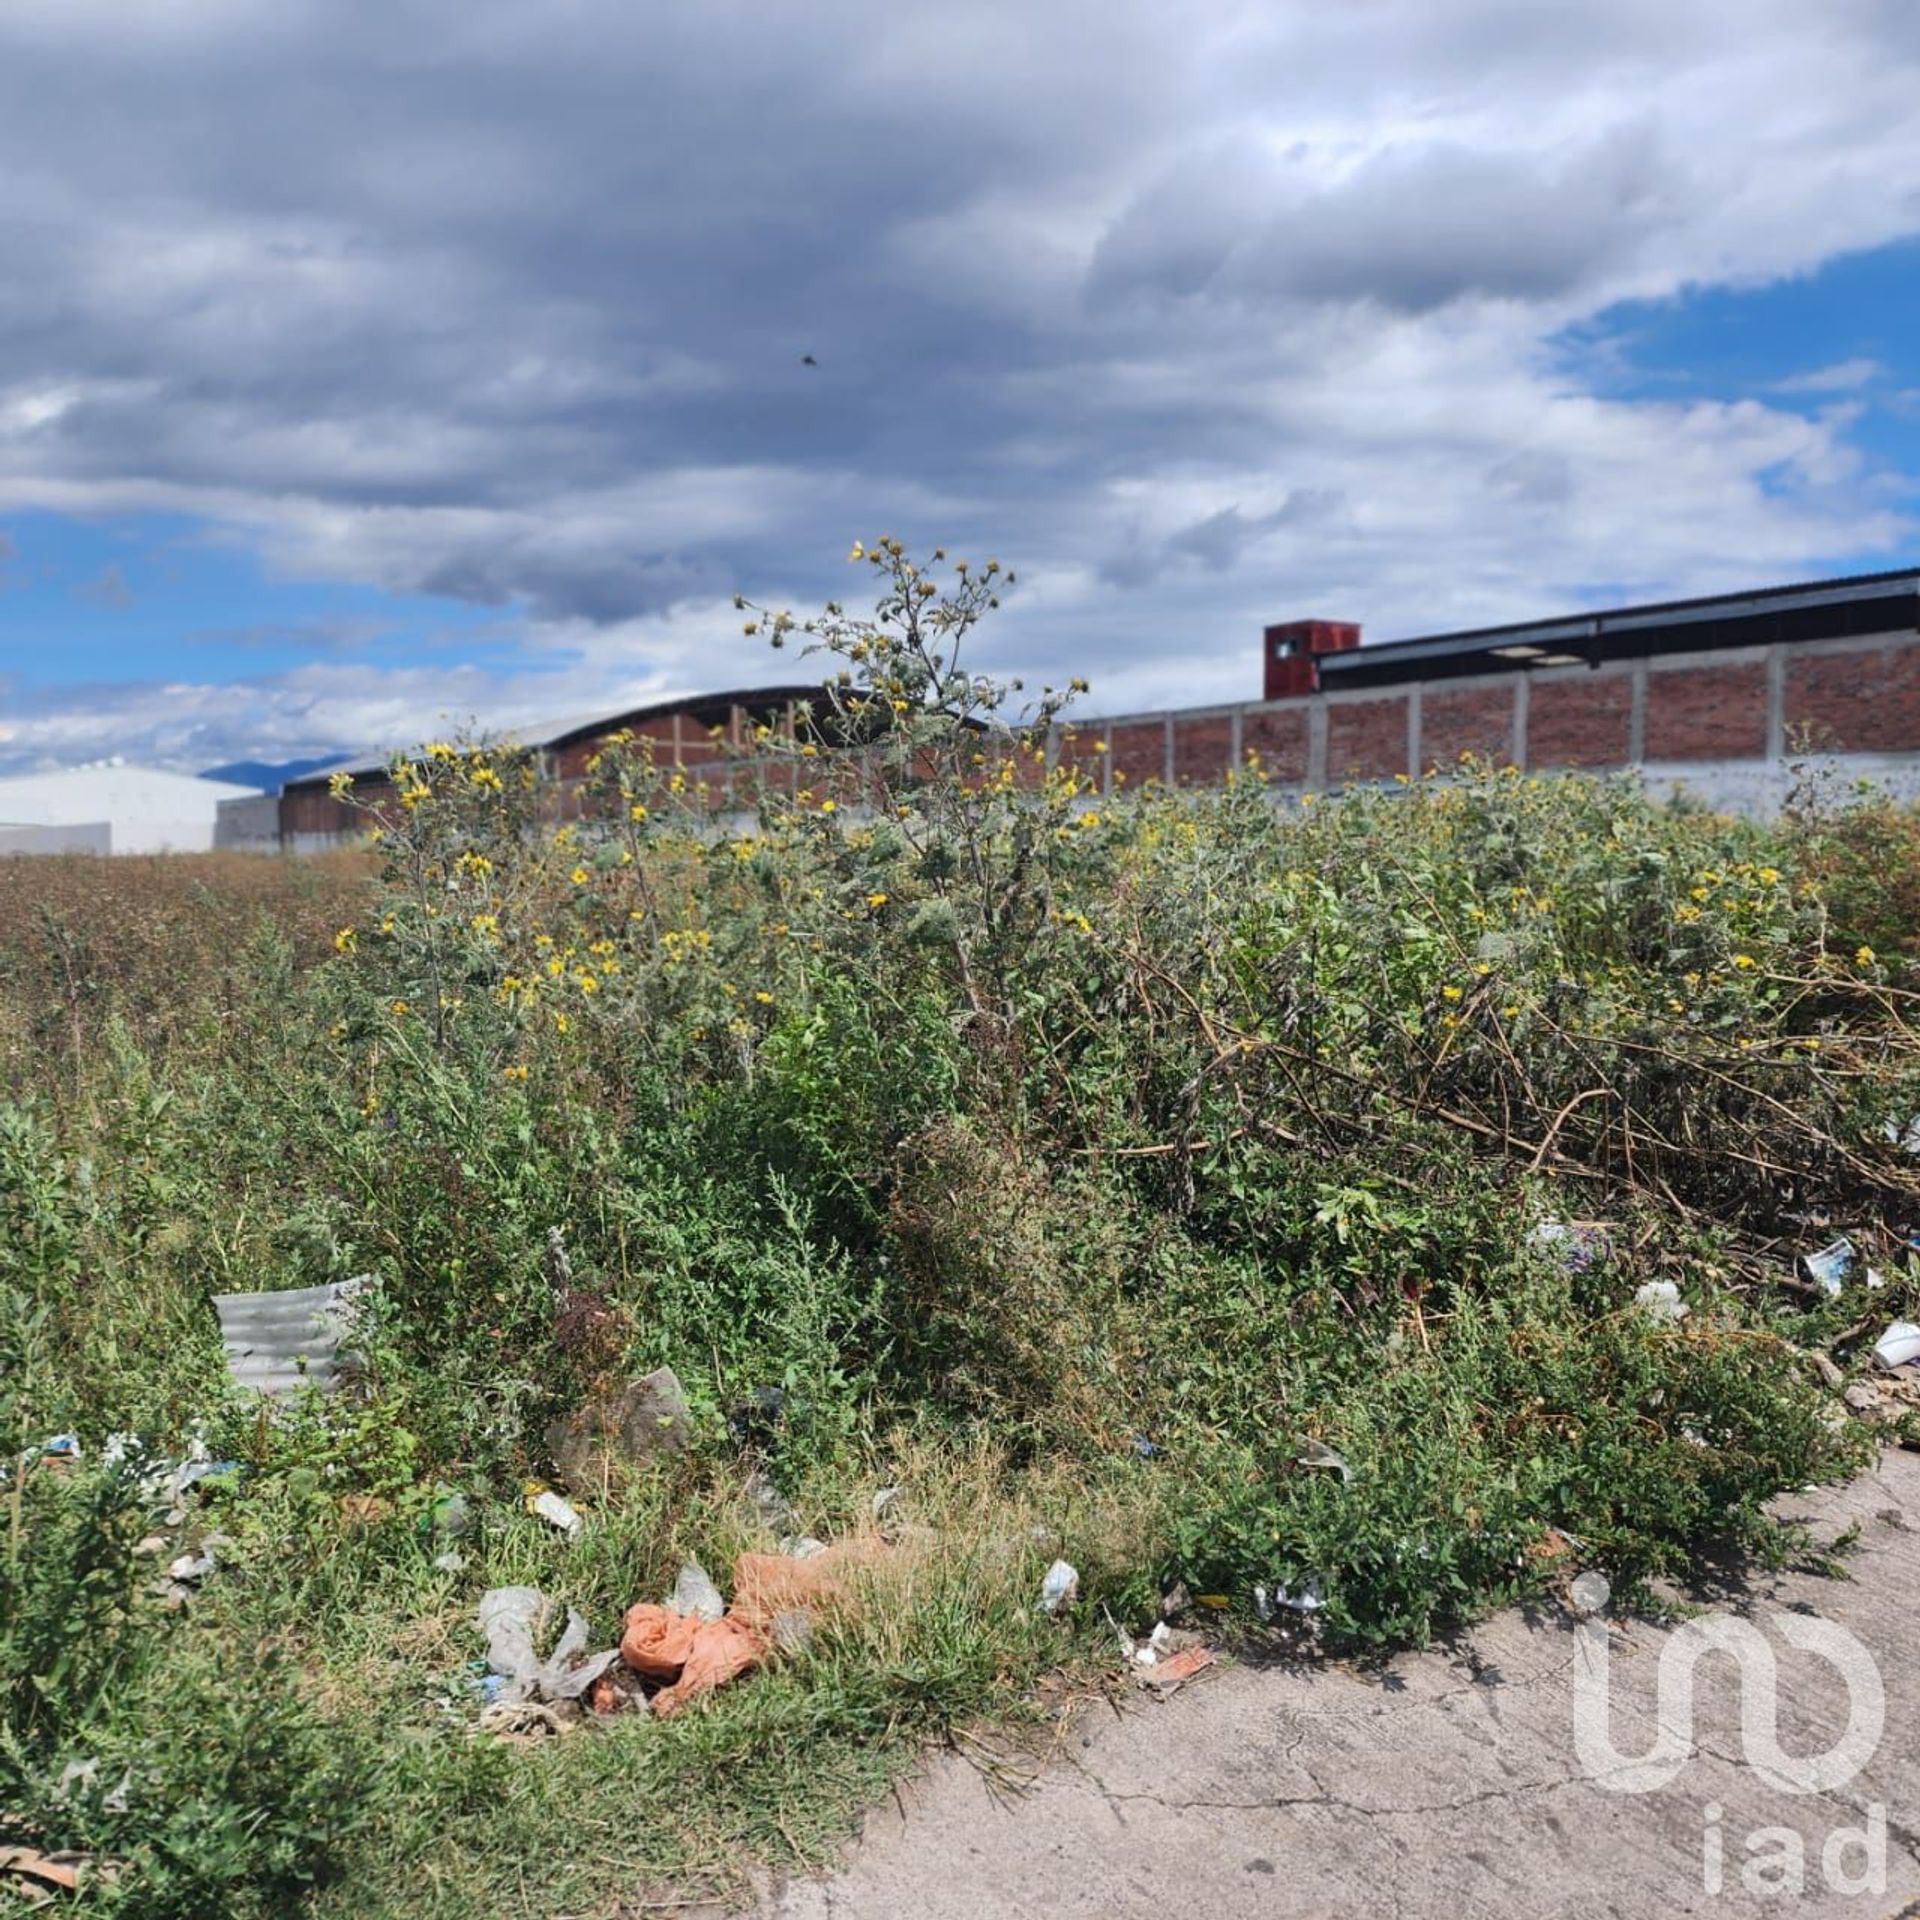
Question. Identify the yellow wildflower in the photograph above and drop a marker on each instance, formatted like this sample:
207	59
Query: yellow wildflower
346	940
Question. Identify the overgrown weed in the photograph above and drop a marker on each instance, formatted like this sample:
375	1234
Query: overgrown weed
1098	1168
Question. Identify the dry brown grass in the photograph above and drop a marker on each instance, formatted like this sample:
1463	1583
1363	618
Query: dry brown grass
156	940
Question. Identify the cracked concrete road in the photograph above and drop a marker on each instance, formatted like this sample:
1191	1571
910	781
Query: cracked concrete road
1450	1786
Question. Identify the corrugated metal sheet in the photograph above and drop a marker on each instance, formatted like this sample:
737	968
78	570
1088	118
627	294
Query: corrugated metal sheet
277	1342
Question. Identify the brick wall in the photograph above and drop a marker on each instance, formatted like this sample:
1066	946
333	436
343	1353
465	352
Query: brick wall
1579	719
1864	700
1202	750
1740	713
1367	739
1707	713
1459	720
1139	751
1281	737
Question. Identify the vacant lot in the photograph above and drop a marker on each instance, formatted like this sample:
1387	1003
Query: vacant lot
1150	1181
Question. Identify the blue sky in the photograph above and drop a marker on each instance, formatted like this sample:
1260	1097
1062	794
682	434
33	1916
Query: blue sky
1420	316
1839	341
127	597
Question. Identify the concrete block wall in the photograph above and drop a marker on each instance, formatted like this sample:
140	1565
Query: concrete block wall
1733	727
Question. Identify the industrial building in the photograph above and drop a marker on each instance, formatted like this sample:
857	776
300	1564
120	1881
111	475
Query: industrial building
110	807
1723	696
701	734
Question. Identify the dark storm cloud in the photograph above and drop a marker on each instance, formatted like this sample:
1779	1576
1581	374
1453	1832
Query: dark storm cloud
1197	312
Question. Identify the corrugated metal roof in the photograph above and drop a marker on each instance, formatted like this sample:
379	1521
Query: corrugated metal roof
541	735
1798	611
277	1342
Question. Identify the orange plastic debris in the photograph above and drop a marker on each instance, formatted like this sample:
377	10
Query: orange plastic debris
698	1655
766	1584
721	1649
657	1641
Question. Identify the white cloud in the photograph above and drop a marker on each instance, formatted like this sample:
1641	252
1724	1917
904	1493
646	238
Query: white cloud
1205	316
1843	376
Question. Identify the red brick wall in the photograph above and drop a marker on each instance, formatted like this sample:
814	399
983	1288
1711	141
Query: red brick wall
1367	739
1861	702
1279	736
1139	752
1579	720
1202	751
1707	713
1457	720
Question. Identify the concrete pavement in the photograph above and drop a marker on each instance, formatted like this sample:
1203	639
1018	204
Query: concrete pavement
1451	1784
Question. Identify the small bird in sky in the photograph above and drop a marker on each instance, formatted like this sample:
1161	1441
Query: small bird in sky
807	360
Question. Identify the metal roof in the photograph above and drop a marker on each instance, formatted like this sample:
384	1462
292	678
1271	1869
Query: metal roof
545	735
1808	610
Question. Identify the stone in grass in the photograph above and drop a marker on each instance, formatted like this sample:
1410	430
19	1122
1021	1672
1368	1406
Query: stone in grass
647	1420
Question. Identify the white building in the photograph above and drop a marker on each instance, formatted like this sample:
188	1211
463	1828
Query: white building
110	807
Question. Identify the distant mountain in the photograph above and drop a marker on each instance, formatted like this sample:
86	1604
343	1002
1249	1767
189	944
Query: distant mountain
269	775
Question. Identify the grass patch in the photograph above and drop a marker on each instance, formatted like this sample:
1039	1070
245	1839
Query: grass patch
1085	1164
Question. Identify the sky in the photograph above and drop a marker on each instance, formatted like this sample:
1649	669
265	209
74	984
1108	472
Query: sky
367	369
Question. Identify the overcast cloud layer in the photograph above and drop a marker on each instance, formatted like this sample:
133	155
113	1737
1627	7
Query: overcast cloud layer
1203	315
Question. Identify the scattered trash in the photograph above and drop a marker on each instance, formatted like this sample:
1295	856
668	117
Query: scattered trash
802	1546
1167	1676
62	1448
450	1514
544	1504
618	1690
1899	1346
694	1594
775	1601
1576	1244
1661	1299
1906	1138
191	1568
1310	1599
452	1561
1060	1589
57	1870
884	1501
1316	1453
647	1420
278	1342
529	1719
1175	1601
1144	1447
768	1584
693	1656
81	1779
511	1617
1828	1269
1875	1280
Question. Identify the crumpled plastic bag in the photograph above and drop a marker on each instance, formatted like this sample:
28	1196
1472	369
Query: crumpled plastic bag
774	1599
695	1655
509	1617
766	1585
